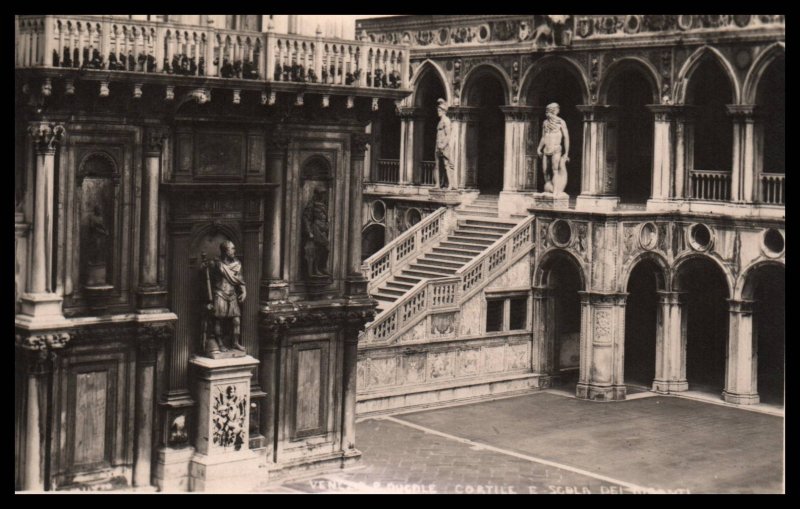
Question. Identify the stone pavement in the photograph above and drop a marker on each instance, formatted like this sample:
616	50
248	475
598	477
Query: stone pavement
549	443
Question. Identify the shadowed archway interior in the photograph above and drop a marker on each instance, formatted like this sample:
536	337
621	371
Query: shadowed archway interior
641	315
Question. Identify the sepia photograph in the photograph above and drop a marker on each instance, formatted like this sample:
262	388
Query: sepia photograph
399	254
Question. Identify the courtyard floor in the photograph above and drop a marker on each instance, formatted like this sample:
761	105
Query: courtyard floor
550	442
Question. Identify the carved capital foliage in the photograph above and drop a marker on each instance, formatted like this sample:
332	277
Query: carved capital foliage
42	340
358	144
46	136
744	307
154	139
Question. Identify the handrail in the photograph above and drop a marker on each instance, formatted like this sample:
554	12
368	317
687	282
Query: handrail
450	292
88	41
396	255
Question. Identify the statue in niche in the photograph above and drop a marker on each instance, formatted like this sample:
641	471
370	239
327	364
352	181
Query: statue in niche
317	243
554	164
97	248
444	175
226	291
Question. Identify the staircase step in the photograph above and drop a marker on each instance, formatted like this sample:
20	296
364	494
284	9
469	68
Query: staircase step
479	222
470	240
448	264
470	248
402	286
448	257
423	274
478	235
432	268
385	298
412	280
391	291
479	228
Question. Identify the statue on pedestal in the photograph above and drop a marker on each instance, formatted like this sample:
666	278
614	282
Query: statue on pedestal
315	227
554	164
444	174
226	291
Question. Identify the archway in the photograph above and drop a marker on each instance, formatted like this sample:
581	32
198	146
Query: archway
487	93
564	282
709	91
766	285
706	307
641	317
771	101
631	90
557	83
388	135
429	89
373	238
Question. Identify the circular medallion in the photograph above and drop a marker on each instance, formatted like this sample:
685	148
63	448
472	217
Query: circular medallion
773	243
561	233
700	237
742	20
413	216
685	21
648	236
443	37
483	33
378	211
632	24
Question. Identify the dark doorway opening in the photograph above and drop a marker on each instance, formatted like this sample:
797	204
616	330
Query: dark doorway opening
641	316
709	91
565	282
429	91
373	238
487	95
769	314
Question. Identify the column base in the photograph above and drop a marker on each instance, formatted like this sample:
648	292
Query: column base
274	290
171	472
600	393
740	399
596	203
356	284
151	300
515	202
550	201
40	310
669	386
228	473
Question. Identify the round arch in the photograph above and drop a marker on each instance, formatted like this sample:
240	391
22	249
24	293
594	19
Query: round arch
540	66
542	271
745	283
663	276
675	283
636	64
426	67
213	229
691	65
757	69
484	69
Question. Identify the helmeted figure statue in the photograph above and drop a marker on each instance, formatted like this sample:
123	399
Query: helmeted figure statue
554	157
315	226
227	291
444	174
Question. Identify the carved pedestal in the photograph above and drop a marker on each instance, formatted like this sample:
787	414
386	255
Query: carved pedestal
550	201
223	461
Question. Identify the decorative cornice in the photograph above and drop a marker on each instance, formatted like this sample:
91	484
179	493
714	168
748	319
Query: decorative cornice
46	136
39	341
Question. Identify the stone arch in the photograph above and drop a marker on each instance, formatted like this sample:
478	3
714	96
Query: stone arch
638	64
691	65
549	62
483	69
541	273
757	69
108	168
745	282
663	281
675	283
212	229
429	66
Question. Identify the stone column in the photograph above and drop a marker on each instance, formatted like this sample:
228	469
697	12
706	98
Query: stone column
517	122
543	334
273	284
180	349
672	133
356	283
350	363
150	296
599	174
747	150
602	340
670	344
410	130
40	303
465	132
146	357
741	375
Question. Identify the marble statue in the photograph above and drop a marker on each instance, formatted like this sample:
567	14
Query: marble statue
315	226
444	174
98	235
226	291
554	156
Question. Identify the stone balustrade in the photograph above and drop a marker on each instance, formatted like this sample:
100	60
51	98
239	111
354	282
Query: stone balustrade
388	171
710	185
104	43
397	255
449	293
773	188
426	169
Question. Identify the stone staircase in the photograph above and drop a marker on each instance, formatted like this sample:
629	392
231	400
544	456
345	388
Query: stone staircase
471	236
484	206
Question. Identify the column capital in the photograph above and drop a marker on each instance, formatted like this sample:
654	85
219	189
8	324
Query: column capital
541	292
742	306
518	113
278	143
598	112
675	298
410	112
358	145
743	112
669	112
46	136
462	113
602	298
154	140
